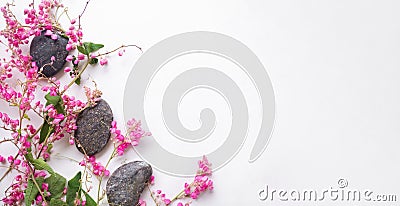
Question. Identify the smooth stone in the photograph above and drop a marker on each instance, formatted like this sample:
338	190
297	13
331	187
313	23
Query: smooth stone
93	128
127	183
43	48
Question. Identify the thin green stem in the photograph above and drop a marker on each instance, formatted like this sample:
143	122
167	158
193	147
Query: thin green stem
151	195
9	169
122	46
102	175
179	195
13	169
39	188
76	77
45	141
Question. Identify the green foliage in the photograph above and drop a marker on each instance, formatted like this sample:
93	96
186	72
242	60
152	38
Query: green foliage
93	61
39	163
82	50
31	190
45	131
56	185
57	202
89	47
89	200
56	101
92	47
78	81
74	189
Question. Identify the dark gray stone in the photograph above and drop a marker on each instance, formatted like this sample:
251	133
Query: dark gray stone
93	128
127	183
43	48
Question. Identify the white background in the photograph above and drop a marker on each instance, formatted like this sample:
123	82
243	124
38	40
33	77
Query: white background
335	70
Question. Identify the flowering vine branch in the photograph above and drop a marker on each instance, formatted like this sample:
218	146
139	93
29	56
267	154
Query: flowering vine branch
26	78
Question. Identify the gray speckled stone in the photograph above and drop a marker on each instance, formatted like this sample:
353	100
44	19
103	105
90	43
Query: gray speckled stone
93	130
43	48
127	183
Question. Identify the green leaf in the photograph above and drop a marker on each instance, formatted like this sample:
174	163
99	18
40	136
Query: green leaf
56	185
57	202
31	190
60	108
82	50
93	61
89	200
73	191
78	81
30	194
49	147
92	47
40	164
29	157
54	100
27	117
45	131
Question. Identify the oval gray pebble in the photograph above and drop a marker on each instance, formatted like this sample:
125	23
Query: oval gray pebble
43	48
93	128
127	183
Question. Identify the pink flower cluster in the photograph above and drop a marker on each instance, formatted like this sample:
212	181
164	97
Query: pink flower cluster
200	184
40	19
160	198
71	106
92	96
15	194
133	136
7	121
53	88
74	59
74	34
97	168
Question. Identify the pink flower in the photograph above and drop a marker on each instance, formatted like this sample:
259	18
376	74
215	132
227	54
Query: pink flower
10	159
45	186
152	179
81	56
69	47
17	162
103	61
67	69
69	58
134	134
48	33
142	202
54	36
167	201
121	52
